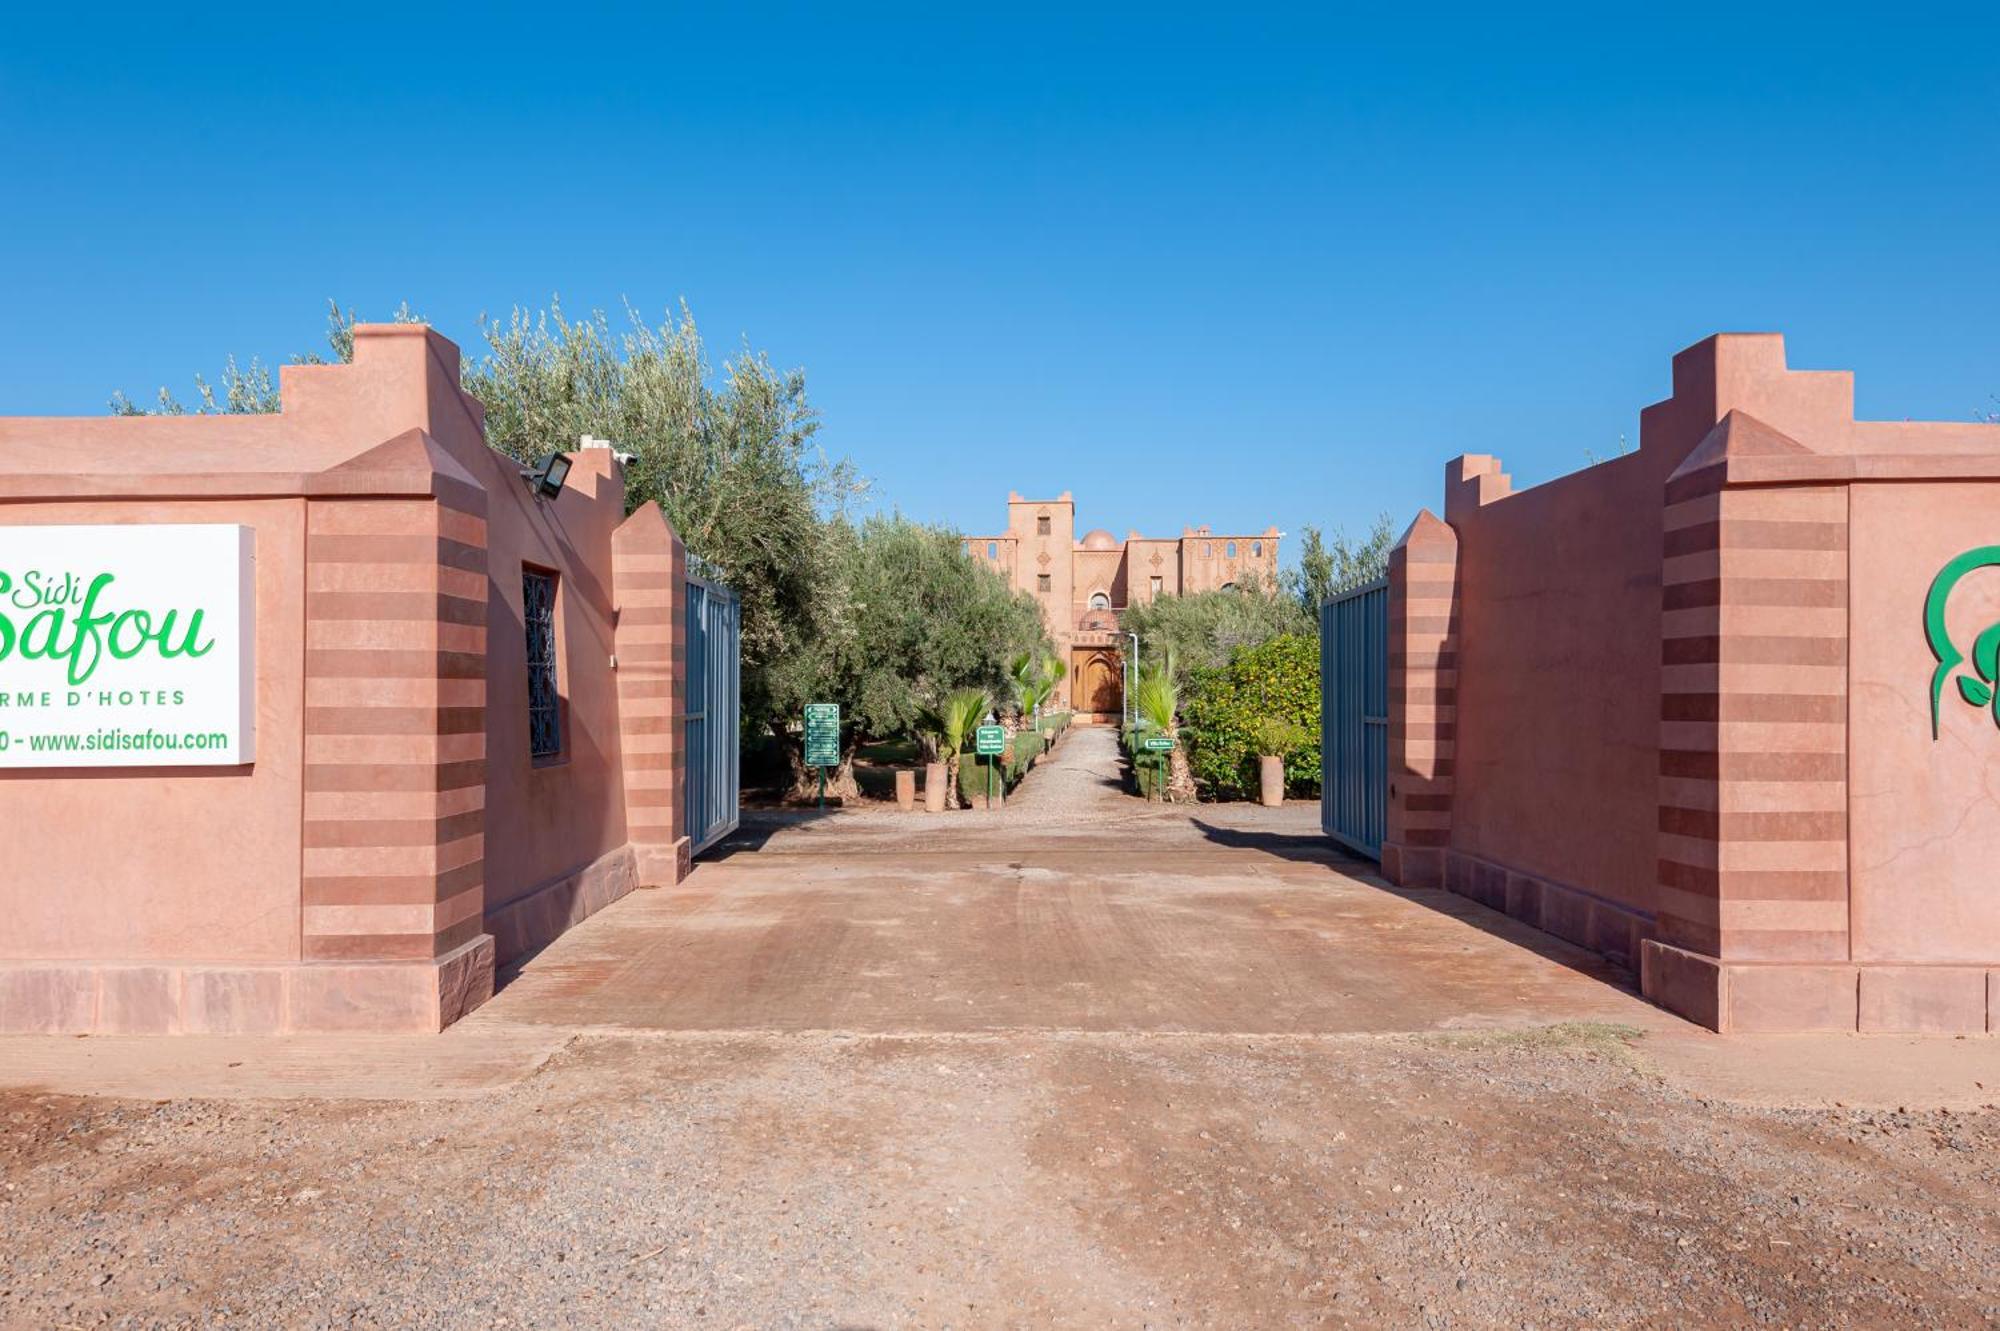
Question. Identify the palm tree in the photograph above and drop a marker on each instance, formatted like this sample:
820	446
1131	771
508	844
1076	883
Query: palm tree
1155	701
1026	678
950	726
1053	671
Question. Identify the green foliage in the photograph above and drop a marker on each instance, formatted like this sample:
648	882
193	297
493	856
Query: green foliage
950	724
914	622
1032	676
246	390
731	461
1150	770
1273	683
1006	772
1326	570
1276	737
1155	700
1204	629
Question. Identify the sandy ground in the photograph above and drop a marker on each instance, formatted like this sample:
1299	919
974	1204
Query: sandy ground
1079	1063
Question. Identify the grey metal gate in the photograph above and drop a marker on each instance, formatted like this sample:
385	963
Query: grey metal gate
714	711
1354	717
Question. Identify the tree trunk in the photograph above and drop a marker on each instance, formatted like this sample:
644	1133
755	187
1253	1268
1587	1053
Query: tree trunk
1180	777
951	799
840	783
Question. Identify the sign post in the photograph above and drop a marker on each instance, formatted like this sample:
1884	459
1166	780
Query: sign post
987	742
822	741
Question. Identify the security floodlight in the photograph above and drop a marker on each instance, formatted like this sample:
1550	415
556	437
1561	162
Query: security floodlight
547	479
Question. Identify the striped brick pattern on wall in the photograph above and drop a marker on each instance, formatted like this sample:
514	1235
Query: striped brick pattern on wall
395	720
1753	721
649	586
1423	701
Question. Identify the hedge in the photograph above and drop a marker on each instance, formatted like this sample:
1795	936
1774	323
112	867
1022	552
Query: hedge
1150	770
1219	707
1023	748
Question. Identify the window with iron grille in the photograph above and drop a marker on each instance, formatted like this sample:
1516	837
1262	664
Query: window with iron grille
1041	582
538	609
1041	526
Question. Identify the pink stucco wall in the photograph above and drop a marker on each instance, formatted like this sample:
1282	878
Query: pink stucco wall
1552	680
1925	812
392	838
84	847
1676	707
564	815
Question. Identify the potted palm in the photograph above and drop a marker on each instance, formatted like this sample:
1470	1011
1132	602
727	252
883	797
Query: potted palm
1275	739
946	729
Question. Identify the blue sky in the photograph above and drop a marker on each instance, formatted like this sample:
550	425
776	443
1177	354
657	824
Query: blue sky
1243	267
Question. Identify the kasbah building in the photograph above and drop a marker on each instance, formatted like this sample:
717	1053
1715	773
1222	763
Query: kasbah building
1083	585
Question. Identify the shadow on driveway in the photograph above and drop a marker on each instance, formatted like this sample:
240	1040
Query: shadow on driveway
1308	848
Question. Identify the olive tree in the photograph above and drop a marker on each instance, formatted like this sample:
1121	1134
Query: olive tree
730	458
1327	569
1204	628
914	620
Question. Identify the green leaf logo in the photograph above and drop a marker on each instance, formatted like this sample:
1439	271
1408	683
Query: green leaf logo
1982	687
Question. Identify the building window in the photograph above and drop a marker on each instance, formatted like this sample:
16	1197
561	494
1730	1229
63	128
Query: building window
1042	525
1229	551
1229	586
1159	585
993	549
1208	549
1256	549
1041	582
538	611
1099	601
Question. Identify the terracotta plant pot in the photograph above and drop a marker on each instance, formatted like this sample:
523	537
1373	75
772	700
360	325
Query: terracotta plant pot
934	789
906	789
1271	777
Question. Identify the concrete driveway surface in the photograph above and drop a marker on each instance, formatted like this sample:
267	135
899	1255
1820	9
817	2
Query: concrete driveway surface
1081	1062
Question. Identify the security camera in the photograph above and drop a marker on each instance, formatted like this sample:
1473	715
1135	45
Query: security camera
625	459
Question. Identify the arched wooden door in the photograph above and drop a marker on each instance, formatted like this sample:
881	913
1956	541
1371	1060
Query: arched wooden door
1100	682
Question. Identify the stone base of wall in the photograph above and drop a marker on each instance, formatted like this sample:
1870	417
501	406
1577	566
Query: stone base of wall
1602	926
103	998
544	913
1793	998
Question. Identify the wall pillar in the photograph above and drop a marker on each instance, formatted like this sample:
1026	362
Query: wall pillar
1753	868
649	586
1423	701
392	928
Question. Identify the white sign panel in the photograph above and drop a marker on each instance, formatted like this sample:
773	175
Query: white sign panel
127	646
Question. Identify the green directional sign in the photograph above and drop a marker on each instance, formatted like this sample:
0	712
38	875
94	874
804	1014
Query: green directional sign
989	740
822	734
1159	743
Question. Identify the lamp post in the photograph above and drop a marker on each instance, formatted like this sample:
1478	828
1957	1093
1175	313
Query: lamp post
1127	706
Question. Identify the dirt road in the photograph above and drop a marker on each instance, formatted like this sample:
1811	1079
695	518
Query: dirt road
1082	1063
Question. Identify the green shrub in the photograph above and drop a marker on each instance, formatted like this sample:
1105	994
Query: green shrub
1028	745
1149	769
1271	685
972	770
1274	735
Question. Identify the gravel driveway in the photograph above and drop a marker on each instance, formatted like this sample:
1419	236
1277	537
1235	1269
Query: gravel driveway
1079	1063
